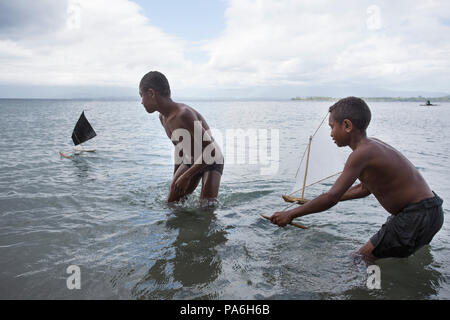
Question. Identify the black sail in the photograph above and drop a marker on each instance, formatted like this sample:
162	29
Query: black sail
83	131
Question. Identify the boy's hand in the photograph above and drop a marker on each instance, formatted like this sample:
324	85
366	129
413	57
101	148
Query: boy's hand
182	183
281	218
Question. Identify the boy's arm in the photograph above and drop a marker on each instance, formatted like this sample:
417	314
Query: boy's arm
353	167
176	165
175	168
356	192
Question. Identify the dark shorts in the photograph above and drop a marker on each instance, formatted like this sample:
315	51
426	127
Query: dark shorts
215	166
413	227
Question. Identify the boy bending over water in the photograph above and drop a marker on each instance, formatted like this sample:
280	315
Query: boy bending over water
197	156
416	211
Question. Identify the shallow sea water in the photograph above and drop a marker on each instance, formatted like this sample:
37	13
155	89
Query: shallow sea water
106	211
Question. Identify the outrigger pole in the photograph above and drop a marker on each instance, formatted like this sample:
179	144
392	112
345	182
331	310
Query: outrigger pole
298	225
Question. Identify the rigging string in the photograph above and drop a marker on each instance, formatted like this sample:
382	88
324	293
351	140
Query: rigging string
304	153
309	185
304	187
307	147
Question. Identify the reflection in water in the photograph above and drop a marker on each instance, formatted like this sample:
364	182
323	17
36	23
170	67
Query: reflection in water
82	165
414	278
195	262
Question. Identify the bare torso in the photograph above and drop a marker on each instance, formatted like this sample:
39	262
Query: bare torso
175	121
390	177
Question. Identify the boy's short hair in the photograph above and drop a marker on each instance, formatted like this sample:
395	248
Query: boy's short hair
354	109
157	81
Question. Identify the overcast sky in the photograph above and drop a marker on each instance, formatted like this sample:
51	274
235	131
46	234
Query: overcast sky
225	48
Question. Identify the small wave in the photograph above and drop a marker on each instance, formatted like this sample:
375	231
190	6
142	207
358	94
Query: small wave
238	197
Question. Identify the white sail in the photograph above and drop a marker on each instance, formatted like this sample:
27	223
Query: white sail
325	159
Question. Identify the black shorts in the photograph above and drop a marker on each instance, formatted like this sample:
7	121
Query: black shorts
215	166
413	227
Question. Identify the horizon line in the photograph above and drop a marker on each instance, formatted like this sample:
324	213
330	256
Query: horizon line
298	98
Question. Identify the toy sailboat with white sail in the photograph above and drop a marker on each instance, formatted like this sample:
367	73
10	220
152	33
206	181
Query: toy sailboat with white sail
321	161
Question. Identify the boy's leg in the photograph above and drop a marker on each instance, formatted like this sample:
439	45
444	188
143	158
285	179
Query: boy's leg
210	185
174	195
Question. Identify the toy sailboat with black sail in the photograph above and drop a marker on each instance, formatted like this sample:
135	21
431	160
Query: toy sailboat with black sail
82	132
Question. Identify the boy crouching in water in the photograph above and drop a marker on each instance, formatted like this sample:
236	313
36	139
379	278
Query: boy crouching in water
197	156
416	211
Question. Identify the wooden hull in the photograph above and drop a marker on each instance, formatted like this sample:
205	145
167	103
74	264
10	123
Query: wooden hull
294	199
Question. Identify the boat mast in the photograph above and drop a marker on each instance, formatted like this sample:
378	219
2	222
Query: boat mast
306	169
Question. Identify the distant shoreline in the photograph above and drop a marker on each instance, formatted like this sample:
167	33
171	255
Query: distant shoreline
315	98
380	99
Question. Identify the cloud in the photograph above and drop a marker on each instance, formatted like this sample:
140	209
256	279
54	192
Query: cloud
266	45
330	43
96	43
374	18
24	18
